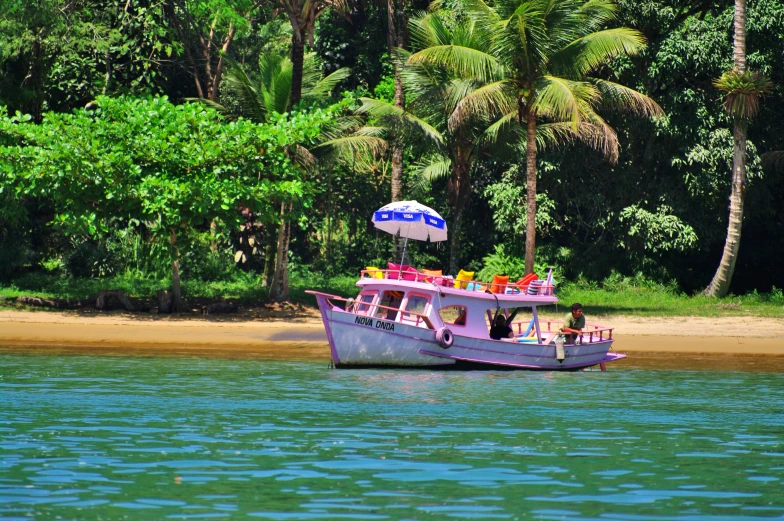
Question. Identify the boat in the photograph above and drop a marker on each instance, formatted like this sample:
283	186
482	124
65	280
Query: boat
403	317
410	319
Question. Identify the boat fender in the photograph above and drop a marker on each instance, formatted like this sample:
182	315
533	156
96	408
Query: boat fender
560	354
445	338
349	304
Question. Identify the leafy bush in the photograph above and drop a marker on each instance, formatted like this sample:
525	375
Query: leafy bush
501	263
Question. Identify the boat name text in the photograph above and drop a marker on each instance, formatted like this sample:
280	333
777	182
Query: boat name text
380	324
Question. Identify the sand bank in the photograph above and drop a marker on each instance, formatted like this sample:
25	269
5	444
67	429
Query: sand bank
302	336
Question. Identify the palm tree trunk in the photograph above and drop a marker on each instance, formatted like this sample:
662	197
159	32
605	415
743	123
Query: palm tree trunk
279	288
720	284
455	234
393	42
530	188
297	59
177	306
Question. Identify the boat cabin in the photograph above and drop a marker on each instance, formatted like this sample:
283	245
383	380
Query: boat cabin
431	304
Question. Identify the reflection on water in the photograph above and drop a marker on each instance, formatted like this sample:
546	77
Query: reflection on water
157	438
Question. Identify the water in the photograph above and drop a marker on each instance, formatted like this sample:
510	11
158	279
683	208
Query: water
87	437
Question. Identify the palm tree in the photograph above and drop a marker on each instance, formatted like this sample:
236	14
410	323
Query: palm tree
260	95
541	55
436	92
303	15
271	92
743	88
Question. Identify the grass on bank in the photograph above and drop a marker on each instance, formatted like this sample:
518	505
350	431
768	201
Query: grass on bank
620	296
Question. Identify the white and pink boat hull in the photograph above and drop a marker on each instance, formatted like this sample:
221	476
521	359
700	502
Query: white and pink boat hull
359	340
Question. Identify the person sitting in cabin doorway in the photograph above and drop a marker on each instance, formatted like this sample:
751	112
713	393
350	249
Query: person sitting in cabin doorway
502	326
461	317
500	329
574	323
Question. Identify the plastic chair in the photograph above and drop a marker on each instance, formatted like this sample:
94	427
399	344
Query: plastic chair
374	273
463	278
499	283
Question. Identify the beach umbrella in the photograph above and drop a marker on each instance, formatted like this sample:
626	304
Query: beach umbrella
411	220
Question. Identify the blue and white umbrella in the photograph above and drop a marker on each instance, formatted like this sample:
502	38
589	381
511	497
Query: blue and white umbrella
412	220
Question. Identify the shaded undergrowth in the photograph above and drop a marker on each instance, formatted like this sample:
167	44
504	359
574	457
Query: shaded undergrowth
612	297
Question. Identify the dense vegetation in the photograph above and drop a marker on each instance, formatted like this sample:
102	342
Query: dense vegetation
225	140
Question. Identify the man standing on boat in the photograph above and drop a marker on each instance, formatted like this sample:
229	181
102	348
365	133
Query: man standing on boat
574	323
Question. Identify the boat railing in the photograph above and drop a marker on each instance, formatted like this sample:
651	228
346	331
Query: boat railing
591	333
354	306
499	289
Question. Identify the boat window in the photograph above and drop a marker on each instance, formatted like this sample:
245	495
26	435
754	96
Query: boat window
415	304
453	315
364	301
389	299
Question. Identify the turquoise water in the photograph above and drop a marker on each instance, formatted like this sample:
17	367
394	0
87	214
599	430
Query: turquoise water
88	437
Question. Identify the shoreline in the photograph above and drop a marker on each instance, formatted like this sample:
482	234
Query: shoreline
302	335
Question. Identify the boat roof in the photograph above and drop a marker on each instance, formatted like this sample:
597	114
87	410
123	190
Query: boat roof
504	299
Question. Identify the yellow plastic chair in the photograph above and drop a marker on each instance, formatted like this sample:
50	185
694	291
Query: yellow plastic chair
377	274
463	278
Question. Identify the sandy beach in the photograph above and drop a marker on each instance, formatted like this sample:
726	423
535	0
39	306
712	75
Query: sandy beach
301	335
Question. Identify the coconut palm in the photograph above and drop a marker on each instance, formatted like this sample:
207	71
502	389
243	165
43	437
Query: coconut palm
260	95
303	15
538	71
436	92
743	88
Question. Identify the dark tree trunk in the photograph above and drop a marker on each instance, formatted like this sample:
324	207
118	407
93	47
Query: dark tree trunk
213	95
297	60
271	242
530	187
393	43
458	194
176	290
279	288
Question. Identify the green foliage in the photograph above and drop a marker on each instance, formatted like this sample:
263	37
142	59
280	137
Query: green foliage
501	263
171	170
657	231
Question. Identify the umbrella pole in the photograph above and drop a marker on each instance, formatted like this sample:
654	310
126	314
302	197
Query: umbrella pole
402	258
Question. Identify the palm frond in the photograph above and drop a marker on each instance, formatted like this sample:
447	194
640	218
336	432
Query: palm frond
304	158
619	97
463	61
324	86
428	170
212	104
492	134
311	71
428	30
382	110
588	53
598	137
562	99
249	98
774	159
355	144
487	100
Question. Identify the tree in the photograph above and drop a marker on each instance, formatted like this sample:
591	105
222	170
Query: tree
58	55
544	51
303	15
207	30
743	88
436	113
171	169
